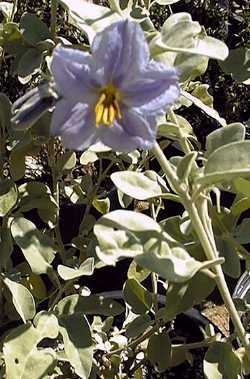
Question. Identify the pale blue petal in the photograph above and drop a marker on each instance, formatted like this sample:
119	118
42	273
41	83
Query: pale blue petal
155	89
74	74
76	126
121	49
132	132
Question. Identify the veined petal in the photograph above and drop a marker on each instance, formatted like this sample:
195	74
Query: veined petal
155	89
131	132
74	74
121	49
75	124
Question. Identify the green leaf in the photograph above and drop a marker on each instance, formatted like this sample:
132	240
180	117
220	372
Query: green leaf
29	62
8	196
38	195
241	232
238	64
231	133
5	110
6	242
37	248
22	299
7	9
214	364
138	326
159	350
77	341
22	358
119	232
66	161
243	186
231	266
183	296
68	273
102	205
136	184
201	92
186	165
137	296
93	304
33	29
137	272
174	265
226	163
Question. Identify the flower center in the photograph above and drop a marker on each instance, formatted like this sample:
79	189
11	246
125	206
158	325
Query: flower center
107	108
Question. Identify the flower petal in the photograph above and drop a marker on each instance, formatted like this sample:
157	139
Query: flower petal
155	89
75	124
132	132
74	74
121	49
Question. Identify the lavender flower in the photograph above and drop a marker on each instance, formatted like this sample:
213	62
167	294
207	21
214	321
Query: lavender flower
112	95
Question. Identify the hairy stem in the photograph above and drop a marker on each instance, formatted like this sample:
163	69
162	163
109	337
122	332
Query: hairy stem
206	237
53	18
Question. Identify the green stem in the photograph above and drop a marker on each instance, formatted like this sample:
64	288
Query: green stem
204	236
15	3
114	5
56	195
53	18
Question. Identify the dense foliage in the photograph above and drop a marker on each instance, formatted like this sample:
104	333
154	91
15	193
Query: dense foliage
124	185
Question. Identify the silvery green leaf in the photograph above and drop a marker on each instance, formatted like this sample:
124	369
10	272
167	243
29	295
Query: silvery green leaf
6	241
228	251
238	64
138	326
159	350
183	296
136	184
242	186
22	299
33	29
77	340
38	249
66	161
186	165
46	324
120	234
8	196
137	296
209	111
89	18
137	272
234	132
182	35
226	163
93	304
22	358
214	363
68	273
88	157
166	2
174	265
5	110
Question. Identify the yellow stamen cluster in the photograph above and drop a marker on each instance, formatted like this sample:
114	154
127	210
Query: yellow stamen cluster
107	108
